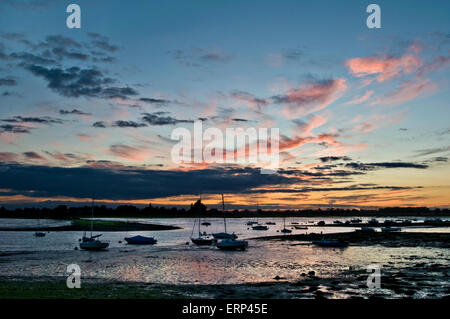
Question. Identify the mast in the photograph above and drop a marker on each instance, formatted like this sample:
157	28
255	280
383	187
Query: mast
223	211
199	215
92	214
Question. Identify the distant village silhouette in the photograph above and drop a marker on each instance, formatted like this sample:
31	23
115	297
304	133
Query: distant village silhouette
199	209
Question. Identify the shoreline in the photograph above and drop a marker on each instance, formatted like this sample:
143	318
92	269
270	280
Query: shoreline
390	239
99	225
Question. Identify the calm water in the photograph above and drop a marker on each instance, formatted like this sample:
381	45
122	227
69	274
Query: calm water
172	261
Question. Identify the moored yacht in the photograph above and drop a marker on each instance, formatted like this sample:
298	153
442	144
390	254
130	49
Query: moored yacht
224	235
92	242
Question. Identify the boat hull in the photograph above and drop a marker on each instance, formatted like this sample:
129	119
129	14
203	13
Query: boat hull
140	240
232	245
93	245
224	236
39	234
202	241
260	228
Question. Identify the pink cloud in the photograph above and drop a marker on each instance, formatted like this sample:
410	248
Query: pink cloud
361	99
306	128
406	91
341	150
249	99
33	156
311	97
129	152
84	137
384	67
8	157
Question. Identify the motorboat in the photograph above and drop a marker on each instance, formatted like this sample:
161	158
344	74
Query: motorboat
140	240
373	221
232	244
271	223
206	224
300	227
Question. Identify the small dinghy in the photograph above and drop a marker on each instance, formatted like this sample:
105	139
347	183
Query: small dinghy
232	244
140	240
260	227
39	234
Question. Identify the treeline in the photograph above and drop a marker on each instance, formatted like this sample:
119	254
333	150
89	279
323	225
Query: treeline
199	209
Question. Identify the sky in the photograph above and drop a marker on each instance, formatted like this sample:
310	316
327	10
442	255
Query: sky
363	113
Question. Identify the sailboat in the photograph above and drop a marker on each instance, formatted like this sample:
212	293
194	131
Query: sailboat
39	233
92	242
285	230
224	235
202	239
229	241
257	225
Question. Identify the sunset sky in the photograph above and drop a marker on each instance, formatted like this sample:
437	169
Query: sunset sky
363	113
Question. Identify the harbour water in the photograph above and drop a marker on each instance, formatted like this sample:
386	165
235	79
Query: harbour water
174	260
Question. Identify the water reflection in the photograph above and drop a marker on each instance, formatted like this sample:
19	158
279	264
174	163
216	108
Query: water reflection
172	261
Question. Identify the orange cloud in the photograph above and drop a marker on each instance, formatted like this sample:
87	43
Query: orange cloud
385	67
